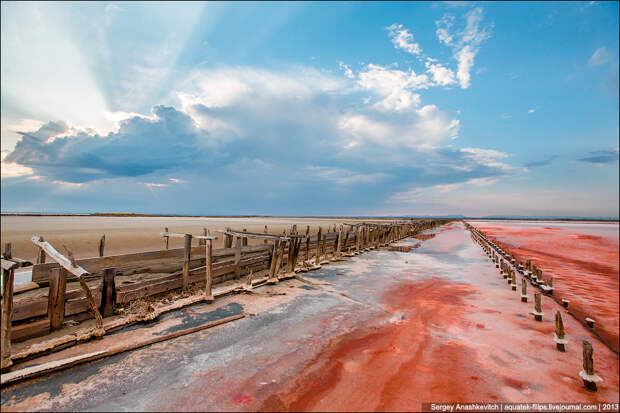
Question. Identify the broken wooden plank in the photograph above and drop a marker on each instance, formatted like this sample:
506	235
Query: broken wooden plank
46	368
108	292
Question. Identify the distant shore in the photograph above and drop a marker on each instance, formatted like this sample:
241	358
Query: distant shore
495	218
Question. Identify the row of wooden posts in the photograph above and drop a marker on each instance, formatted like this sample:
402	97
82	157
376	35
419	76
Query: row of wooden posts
508	266
345	240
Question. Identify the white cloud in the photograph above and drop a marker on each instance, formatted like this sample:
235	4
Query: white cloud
393	86
465	43
599	57
531	110
441	75
402	39
346	69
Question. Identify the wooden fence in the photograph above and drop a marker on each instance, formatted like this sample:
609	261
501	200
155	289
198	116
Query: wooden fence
105	282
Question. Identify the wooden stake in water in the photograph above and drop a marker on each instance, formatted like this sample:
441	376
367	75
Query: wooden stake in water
590	378
523	290
537	307
559	336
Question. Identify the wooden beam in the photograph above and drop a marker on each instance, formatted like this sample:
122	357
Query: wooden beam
8	276
56	298
231	233
165	237
108	292
76	270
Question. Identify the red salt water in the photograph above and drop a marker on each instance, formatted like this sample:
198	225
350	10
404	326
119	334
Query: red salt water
582	258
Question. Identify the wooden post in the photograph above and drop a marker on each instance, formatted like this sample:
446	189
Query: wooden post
537	307
166	238
56	297
279	260
201	242
325	245
514	282
41	255
186	258
209	271
274	258
8	276
265	231
559	336
108	292
101	245
339	249
317	258
523	290
8	254
244	242
307	255
228	239
237	257
590	378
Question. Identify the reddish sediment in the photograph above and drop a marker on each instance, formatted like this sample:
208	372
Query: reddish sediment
451	346
584	268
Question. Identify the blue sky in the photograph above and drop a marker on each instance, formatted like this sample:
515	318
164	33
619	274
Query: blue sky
425	108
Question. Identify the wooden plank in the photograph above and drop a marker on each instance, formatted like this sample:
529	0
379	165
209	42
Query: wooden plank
23	287
8	276
56	298
9	265
46	368
59	258
27	331
108	292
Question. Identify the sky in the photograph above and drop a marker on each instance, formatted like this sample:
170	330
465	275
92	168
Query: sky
301	108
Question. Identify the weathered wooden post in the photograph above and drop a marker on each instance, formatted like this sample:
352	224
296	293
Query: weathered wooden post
8	251
237	257
108	292
559	336
228	239
339	248
244	243
41	255
274	258
565	302
537	307
56	297
201	241
186	258
590	378
325	246
279	260
209	271
307	255
166	237
317	258
265	232
101	245
8	276
590	322
523	290
513	284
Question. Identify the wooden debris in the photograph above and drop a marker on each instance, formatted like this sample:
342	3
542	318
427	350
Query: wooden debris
559	336
56	298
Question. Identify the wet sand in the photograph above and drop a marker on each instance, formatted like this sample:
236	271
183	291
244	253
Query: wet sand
381	331
582	258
